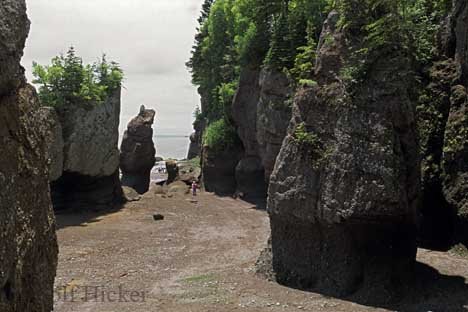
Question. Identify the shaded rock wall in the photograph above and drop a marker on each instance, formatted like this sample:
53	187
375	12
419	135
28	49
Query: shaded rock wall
261	111
137	152
343	194
51	128
28	253
218	170
443	130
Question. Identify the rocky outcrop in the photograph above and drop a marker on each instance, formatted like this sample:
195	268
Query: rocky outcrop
90	178
28	253
273	116
137	152
443	129
52	130
343	194
196	139
261	110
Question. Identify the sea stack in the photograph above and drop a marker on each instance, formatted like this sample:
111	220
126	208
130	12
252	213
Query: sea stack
90	178
137	152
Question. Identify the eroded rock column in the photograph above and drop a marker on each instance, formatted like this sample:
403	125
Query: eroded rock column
344	190
137	152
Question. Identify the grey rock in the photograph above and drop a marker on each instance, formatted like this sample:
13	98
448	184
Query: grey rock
14	28
137	152
261	111
51	128
91	135
90	179
343	203
273	116
28	252
130	194
178	187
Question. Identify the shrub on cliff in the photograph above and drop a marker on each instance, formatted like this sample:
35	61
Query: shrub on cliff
68	81
219	135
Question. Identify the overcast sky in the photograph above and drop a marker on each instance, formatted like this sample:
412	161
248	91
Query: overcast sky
151	39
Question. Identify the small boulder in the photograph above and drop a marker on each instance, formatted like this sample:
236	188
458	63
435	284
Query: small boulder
130	194
178	188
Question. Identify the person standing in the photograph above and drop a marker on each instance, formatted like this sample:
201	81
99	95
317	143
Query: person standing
194	188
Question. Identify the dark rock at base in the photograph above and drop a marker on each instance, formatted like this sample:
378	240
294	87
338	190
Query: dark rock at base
84	193
137	152
219	170
250	178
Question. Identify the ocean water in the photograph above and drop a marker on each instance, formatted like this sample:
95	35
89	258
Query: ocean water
172	146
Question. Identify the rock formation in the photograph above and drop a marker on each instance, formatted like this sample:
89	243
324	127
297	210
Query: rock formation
343	194
52	131
90	178
196	140
185	171
137	152
172	171
28	253
262	111
444	136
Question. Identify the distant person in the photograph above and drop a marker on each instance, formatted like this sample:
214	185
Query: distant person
194	188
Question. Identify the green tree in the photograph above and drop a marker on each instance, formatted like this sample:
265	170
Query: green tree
66	81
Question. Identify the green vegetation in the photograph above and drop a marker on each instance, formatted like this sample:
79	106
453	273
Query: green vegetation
67	81
305	138
282	35
219	135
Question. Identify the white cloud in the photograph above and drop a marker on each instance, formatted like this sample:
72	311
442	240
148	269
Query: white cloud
151	39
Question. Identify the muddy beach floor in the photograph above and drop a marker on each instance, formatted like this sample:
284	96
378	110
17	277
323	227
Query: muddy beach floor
201	257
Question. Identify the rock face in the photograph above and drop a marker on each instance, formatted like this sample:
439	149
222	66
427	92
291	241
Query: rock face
90	177
455	166
137	152
261	111
343	194
196	139
28	253
219	170
52	131
444	132
273	116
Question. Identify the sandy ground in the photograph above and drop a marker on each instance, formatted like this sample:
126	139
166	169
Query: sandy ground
201	257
